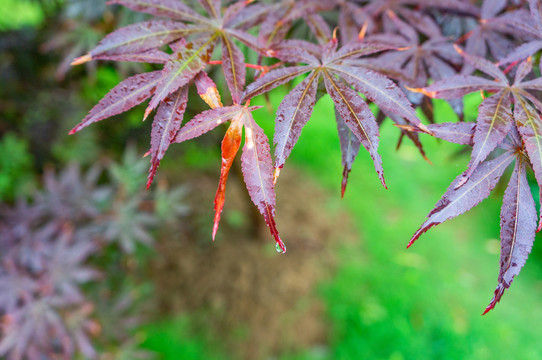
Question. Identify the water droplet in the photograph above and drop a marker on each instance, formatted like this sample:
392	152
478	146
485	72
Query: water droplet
279	249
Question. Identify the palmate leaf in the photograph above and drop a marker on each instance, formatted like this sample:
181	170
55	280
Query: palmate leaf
495	114
495	120
165	126
518	229
295	110
139	37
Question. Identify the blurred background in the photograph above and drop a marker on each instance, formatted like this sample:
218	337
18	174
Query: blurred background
118	272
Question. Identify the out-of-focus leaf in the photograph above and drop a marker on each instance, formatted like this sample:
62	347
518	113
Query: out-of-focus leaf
173	9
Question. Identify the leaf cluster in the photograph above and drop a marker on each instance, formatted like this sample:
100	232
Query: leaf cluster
395	54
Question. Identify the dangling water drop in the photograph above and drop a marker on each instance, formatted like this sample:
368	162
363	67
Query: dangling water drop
279	249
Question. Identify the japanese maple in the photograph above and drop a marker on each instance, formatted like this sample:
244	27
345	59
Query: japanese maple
394	54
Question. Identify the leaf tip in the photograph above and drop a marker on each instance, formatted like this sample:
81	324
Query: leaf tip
425	129
363	31
430	94
496	298
147	112
276	174
391	14
458	49
81	60
215	227
212	97
346	172
152	172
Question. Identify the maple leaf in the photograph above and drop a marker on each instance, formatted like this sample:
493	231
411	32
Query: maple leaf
339	78
518	214
516	130
187	61
140	42
495	114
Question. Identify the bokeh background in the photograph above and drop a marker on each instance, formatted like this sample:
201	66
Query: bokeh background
346	289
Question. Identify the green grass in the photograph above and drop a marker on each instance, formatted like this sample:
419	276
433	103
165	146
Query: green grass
175	339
